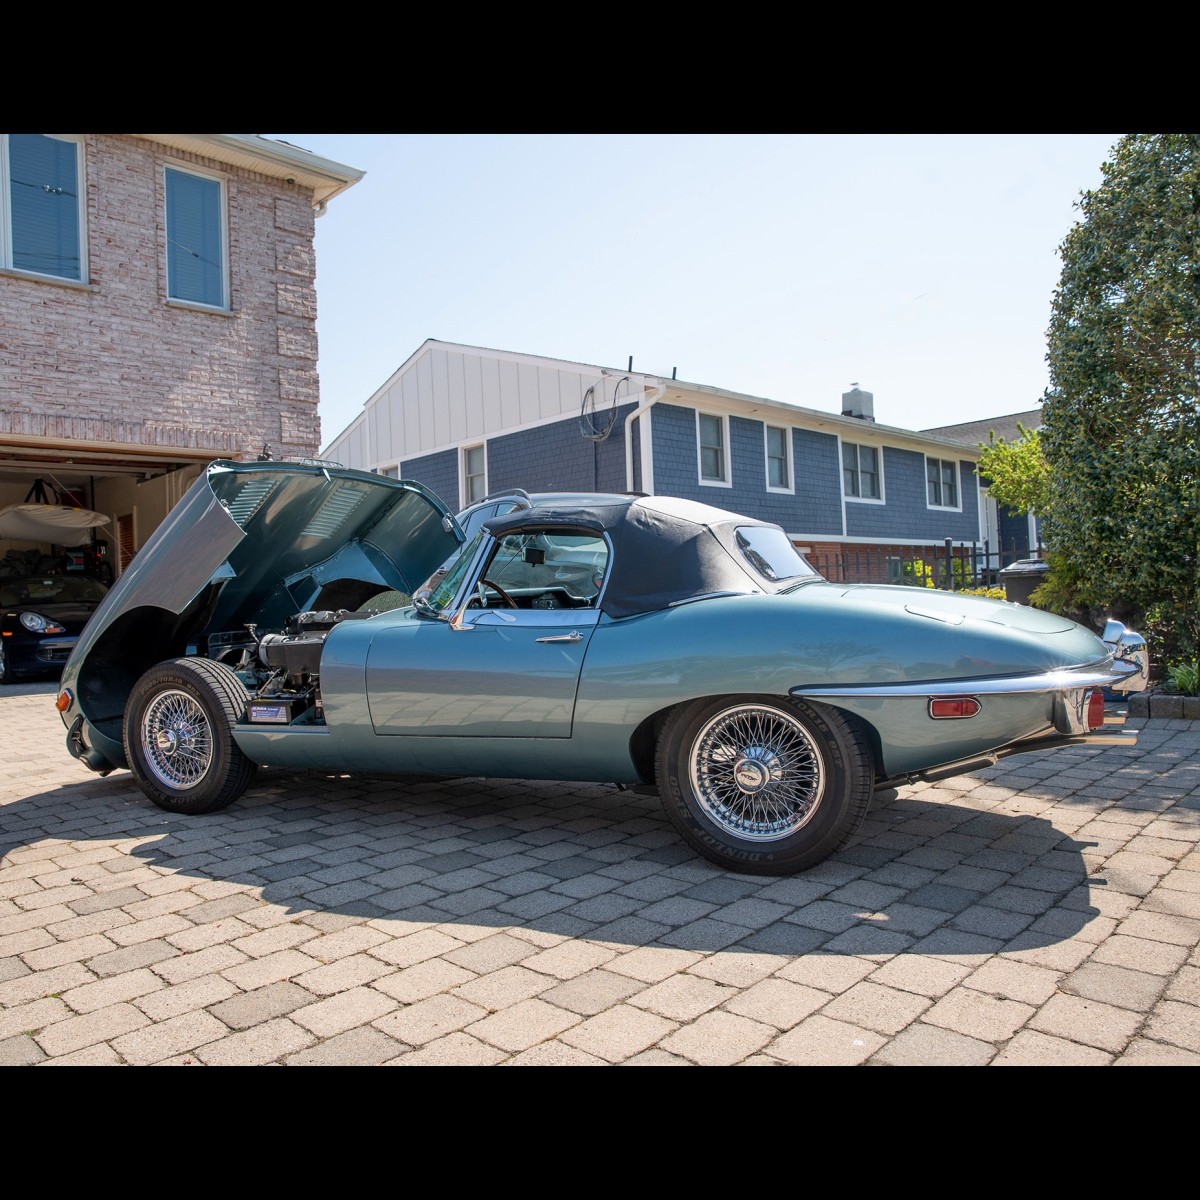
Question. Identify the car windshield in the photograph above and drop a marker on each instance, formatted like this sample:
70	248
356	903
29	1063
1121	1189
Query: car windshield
438	591
52	589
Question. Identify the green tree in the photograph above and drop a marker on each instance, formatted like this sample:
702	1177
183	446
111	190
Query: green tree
1017	472
1120	420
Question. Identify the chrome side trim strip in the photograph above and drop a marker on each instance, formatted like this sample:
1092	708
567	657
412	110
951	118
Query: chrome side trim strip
1051	681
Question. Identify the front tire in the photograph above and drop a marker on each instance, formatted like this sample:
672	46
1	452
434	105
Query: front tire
178	733
763	785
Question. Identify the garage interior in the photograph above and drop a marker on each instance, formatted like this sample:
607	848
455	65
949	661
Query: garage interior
132	487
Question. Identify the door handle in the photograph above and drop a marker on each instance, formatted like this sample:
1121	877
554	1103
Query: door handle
573	636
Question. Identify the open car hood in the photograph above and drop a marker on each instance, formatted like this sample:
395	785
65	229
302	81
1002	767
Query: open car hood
255	542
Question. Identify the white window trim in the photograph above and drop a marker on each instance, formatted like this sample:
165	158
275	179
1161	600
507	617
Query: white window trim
958	484
223	185
727	482
790	490
6	248
882	497
463	451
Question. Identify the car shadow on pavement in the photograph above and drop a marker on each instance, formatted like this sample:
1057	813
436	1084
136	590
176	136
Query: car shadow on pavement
942	877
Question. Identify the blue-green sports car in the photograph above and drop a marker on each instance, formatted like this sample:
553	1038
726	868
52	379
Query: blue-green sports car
293	614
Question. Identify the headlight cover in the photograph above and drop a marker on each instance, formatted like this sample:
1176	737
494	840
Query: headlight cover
36	623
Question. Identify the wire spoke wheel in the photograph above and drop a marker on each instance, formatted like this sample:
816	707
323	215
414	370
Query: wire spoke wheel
764	785
177	739
756	772
178	735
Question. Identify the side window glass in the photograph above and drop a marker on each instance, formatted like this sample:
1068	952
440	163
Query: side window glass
41	225
550	570
195	215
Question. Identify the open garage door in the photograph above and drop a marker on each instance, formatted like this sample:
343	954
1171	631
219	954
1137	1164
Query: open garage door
129	488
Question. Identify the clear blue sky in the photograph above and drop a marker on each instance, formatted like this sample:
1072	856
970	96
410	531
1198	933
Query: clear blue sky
787	266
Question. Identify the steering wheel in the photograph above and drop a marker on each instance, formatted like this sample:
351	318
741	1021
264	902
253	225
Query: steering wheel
483	599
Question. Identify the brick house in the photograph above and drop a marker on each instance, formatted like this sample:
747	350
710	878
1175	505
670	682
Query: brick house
858	497
157	311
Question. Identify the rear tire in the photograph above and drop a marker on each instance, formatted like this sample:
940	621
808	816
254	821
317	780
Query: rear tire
763	785
178	734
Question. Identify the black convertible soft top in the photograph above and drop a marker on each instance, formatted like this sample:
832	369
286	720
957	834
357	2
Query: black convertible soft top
666	550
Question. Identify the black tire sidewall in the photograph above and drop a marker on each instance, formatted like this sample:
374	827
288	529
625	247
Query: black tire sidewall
839	812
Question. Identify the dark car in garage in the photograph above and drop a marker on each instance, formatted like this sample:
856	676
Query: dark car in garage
41	617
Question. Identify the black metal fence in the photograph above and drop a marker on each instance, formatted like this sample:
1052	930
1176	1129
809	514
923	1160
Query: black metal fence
947	566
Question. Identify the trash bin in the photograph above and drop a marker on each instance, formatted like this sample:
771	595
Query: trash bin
1020	578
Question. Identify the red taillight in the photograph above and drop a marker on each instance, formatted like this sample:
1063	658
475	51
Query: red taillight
1095	709
953	708
64	700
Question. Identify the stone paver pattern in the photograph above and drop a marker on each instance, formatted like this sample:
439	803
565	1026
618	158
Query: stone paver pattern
1043	911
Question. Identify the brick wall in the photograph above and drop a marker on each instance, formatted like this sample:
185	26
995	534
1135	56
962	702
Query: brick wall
112	361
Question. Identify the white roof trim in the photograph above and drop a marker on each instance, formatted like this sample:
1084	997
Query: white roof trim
278	160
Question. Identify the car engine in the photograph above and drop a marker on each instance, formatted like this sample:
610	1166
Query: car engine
286	667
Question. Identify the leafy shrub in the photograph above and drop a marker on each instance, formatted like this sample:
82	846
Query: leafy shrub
992	593
917	573
1185	677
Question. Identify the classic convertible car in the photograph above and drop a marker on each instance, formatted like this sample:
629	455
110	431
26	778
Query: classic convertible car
293	615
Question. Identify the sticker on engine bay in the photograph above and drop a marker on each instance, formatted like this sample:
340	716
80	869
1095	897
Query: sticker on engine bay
278	714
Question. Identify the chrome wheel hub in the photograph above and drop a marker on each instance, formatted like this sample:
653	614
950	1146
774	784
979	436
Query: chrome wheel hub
757	767
757	772
177	740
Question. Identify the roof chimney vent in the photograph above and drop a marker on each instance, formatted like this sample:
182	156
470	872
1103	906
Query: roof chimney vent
857	403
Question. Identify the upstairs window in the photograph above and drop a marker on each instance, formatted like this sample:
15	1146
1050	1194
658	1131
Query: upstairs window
860	472
779	466
941	475
196	254
42	208
474	474
714	461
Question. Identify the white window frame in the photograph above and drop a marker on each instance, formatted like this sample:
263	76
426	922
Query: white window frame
726	479
6	228
465	476
223	200
790	487
943	462
858	471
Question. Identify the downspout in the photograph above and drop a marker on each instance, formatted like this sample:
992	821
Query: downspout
644	406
